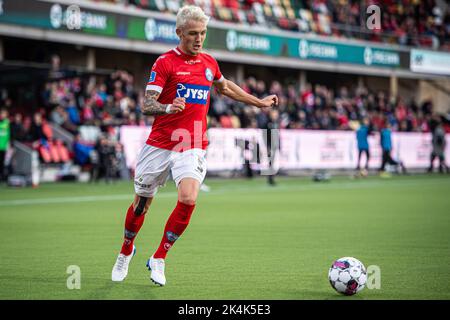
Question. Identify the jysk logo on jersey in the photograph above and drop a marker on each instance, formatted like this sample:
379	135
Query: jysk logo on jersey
193	93
152	76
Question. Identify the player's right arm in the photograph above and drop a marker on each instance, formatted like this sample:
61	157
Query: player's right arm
152	107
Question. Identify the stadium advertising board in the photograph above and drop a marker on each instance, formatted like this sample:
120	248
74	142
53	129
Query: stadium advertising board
238	41
299	149
57	16
76	18
430	62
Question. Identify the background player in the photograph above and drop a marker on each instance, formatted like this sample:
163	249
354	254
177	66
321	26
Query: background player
386	146
362	137
178	95
438	144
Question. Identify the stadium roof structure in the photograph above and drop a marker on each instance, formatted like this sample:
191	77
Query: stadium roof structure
128	28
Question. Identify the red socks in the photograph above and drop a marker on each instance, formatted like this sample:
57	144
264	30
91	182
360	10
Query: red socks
175	226
132	225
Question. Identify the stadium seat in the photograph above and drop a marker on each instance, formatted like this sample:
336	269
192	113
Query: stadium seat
44	153
62	150
226	122
47	129
55	158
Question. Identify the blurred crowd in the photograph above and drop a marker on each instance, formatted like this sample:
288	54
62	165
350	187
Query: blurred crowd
321	108
405	22
105	103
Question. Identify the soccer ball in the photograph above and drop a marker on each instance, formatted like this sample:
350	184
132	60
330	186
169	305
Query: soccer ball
347	276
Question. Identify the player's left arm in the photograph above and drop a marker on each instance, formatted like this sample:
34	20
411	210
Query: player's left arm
233	91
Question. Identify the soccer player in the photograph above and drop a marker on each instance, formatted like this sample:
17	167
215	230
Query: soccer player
177	94
273	143
386	146
438	142
362	135
4	141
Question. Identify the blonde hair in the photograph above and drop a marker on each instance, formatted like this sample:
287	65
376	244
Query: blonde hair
188	13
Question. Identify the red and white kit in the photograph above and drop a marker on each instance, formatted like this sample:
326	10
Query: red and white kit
177	142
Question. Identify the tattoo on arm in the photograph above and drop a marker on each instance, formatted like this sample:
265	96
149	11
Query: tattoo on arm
151	106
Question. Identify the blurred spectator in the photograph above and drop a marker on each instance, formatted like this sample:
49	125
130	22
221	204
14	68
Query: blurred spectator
82	151
406	22
107	163
36	131
17	128
4	141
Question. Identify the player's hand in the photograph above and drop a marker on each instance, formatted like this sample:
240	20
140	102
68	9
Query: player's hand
178	105
269	101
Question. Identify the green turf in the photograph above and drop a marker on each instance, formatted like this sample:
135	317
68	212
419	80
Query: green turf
246	240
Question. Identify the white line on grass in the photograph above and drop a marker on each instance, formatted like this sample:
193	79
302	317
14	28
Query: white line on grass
226	190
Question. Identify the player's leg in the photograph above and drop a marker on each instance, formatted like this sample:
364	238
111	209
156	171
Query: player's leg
177	223
152	170
179	219
188	171
134	221
367	159
432	157
359	158
442	165
396	163
384	160
2	164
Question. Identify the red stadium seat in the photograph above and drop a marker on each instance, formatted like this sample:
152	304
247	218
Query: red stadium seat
47	129
62	151
45	154
226	122
53	152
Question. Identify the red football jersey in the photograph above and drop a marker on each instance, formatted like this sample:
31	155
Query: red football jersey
176	74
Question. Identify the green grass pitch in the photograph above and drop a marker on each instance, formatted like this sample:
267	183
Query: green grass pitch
246	240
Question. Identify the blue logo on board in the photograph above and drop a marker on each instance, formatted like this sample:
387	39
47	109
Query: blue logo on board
193	93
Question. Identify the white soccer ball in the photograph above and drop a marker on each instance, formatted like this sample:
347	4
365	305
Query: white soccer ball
347	275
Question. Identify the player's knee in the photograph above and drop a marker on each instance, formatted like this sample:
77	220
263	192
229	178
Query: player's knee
142	206
187	198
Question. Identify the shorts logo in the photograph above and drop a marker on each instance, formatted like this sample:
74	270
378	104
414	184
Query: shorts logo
193	93
209	75
152	76
172	237
142	185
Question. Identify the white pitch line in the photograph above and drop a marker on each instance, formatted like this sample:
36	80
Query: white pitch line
115	197
220	191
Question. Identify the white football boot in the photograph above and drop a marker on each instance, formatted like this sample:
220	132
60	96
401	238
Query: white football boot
157	268
120	269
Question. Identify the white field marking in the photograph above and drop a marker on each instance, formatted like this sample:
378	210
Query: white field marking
226	190
57	200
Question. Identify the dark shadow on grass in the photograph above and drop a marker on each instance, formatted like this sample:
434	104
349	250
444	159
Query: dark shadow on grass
122	290
321	295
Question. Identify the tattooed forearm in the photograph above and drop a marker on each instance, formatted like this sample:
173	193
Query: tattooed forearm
151	106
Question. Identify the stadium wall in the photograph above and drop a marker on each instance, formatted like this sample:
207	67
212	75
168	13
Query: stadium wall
298	149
